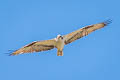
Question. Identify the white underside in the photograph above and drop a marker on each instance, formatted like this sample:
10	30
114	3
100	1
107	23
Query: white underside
60	44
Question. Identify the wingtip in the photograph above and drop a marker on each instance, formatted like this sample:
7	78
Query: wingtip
10	52
14	54
107	22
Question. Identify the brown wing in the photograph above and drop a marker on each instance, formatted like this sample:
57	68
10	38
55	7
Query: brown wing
84	31
36	47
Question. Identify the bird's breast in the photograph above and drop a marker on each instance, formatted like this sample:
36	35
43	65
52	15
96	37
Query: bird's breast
60	44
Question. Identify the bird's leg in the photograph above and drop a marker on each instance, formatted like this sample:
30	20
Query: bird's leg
60	53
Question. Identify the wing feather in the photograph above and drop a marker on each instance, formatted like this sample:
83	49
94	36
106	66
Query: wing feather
84	31
36	47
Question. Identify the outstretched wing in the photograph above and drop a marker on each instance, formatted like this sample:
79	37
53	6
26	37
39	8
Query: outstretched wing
36	47
84	31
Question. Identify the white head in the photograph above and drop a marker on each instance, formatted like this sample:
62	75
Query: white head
59	37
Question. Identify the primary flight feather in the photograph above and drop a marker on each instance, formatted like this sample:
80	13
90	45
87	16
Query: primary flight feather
59	41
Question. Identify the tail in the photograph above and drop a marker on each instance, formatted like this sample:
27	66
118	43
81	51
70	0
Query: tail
59	53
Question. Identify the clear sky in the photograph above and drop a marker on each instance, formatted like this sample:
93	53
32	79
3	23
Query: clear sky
94	57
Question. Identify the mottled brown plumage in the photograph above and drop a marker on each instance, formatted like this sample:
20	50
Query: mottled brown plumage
36	47
60	41
84	31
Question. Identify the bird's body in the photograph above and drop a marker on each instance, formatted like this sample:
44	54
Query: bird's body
60	45
59	41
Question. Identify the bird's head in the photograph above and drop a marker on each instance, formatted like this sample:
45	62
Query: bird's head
59	37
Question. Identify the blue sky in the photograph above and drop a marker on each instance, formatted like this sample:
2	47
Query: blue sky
94	57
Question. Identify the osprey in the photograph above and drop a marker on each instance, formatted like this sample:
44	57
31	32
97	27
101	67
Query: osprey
59	41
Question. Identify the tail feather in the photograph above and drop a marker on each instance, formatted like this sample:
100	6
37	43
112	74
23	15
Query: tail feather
59	53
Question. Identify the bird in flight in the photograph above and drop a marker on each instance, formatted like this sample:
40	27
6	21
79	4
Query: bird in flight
60	41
